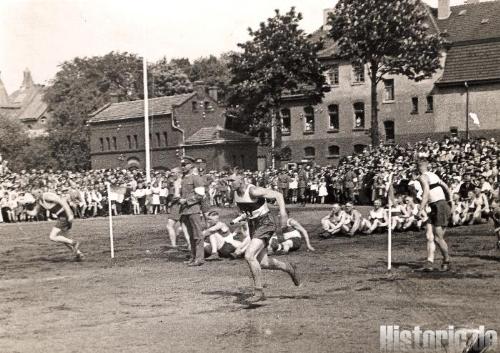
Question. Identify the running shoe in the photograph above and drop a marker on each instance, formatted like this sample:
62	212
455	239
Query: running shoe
428	267
214	257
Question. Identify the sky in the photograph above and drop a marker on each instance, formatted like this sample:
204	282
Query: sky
41	34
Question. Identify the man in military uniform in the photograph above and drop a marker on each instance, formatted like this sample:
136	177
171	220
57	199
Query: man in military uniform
192	195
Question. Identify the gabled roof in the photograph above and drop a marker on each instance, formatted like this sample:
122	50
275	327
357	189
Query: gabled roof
476	62
465	22
216	135
35	109
135	109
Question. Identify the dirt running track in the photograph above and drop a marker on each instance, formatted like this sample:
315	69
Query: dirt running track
146	300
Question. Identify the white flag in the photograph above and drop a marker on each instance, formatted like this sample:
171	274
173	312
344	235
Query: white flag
474	118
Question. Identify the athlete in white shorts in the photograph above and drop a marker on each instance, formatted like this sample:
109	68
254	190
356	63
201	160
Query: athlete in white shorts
290	239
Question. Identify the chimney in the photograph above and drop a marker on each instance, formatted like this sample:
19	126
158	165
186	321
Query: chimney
27	79
200	88
114	97
212	92
443	9
326	15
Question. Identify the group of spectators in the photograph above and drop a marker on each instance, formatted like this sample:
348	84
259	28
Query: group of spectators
470	168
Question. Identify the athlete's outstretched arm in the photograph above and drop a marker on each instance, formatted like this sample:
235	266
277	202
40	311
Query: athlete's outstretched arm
303	231
272	195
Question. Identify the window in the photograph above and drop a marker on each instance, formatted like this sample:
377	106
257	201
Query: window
308	119
194	104
158	139
285	121
136	142
114	143
389	130
358	149
333	151
108	143
388	90
333	112
129	140
286	153
309	152
430	104
414	105
101	144
359	115
358	73
165	140
243	161
454	131
332	75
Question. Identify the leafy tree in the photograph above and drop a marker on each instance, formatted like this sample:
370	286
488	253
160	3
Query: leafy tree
390	37
13	138
183	64
213	71
168	79
278	59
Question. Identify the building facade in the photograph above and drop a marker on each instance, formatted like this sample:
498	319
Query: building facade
177	124
408	111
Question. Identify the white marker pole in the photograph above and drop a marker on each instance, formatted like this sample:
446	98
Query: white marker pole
146	120
110	222
389	238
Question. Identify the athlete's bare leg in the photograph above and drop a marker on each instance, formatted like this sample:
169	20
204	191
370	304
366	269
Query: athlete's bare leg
171	232
443	247
431	246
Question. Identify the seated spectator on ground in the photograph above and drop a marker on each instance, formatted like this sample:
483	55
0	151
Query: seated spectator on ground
336	222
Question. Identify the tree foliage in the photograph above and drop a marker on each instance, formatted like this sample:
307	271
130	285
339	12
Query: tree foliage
278	59
214	71
390	37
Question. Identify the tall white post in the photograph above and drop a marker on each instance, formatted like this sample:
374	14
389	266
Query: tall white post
389	239
146	120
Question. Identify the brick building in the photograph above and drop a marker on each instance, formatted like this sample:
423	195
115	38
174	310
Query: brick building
176	124
26	105
220	147
408	111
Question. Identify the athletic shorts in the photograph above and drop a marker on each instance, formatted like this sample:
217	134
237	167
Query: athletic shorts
440	213
262	228
62	223
226	250
296	244
175	212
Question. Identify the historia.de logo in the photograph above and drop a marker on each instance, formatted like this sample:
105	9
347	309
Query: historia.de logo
394	339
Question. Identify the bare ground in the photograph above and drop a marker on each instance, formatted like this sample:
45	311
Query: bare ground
147	300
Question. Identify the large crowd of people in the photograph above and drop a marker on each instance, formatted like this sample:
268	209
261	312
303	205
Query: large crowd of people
470	168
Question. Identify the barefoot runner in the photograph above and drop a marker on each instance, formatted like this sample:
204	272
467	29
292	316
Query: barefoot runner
60	210
252	201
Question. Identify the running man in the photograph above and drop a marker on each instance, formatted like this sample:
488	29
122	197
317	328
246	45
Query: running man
60	210
436	195
252	201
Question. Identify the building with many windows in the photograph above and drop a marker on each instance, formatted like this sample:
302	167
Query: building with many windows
408	110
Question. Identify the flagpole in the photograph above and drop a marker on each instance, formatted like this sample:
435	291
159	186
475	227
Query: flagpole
146	120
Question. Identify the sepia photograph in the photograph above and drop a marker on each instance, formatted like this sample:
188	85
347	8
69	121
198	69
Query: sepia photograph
265	176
